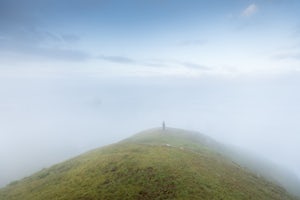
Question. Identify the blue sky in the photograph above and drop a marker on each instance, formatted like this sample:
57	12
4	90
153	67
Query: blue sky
71	70
189	38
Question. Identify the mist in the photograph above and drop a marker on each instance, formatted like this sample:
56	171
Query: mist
77	75
45	121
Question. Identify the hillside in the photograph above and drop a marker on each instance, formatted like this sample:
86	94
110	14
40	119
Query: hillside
154	164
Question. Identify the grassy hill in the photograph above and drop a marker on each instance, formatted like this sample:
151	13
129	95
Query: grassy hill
155	164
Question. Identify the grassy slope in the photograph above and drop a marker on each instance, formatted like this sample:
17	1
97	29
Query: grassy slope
144	167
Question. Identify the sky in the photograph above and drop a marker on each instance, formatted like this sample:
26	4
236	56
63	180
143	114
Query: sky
76	75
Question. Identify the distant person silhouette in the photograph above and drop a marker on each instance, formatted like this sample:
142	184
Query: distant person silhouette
163	126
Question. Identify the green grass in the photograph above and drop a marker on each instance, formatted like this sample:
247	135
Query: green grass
144	167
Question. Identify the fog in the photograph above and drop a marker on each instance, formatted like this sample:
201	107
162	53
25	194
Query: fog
77	75
45	121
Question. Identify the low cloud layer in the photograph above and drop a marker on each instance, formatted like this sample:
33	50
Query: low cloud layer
76	75
52	119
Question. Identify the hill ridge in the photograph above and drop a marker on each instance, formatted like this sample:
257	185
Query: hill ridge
144	167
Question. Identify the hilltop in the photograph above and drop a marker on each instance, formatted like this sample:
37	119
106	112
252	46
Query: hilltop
153	164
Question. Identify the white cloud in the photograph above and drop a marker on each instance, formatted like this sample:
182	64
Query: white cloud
250	10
